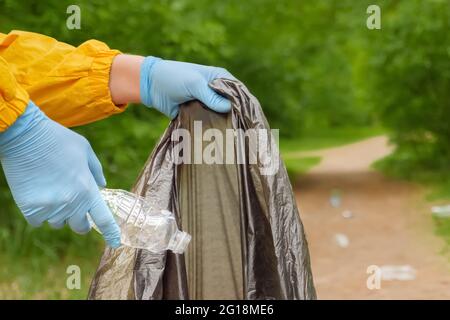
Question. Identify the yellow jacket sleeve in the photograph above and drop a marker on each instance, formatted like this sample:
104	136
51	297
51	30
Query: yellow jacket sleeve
70	84
13	98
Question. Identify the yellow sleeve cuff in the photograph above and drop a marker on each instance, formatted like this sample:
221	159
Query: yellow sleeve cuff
69	84
12	109
13	98
98	84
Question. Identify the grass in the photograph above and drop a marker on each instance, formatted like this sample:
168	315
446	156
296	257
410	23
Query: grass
440	192
35	277
404	165
442	226
327	138
34	261
298	165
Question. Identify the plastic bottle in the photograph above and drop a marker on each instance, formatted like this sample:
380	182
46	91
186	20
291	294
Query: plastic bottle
142	227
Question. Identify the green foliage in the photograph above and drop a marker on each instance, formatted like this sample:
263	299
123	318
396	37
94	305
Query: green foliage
299	165
292	150
327	138
289	53
315	67
443	230
410	63
410	81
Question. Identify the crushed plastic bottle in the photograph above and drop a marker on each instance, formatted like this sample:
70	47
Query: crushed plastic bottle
141	227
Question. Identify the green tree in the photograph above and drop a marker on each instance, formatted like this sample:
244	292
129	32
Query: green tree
410	69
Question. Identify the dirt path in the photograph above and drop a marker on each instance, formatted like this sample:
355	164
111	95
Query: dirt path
390	225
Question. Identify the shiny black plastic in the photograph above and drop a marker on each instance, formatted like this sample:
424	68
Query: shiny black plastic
247	238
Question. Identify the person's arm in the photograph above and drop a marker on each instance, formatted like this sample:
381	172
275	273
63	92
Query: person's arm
79	85
124	79
164	84
70	84
53	173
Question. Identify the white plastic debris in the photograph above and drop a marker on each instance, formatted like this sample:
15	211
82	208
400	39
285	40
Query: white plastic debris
335	198
347	214
398	272
441	211
342	240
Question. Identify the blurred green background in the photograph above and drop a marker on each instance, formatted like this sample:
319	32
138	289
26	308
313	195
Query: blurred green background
322	77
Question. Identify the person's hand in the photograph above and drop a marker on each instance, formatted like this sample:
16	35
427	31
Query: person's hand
54	175
166	84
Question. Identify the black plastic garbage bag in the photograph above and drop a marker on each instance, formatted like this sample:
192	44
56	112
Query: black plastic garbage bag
247	238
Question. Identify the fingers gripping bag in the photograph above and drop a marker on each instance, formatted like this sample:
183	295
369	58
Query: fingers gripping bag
248	241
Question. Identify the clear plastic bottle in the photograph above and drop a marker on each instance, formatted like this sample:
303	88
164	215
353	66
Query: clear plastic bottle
142	227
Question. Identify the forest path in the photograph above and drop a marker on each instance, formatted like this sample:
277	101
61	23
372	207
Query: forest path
390	224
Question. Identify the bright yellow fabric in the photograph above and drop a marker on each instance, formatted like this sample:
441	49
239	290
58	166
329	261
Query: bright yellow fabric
13	98
70	84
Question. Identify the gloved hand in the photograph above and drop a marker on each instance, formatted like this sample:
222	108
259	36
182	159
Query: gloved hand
166	84
54	175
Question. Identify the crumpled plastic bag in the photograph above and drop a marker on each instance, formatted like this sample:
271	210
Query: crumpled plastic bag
247	238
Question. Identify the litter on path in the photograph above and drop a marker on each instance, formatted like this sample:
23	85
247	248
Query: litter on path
342	240
401	272
335	198
441	211
347	214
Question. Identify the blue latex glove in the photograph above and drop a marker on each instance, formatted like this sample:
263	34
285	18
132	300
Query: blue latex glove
54	175
166	84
